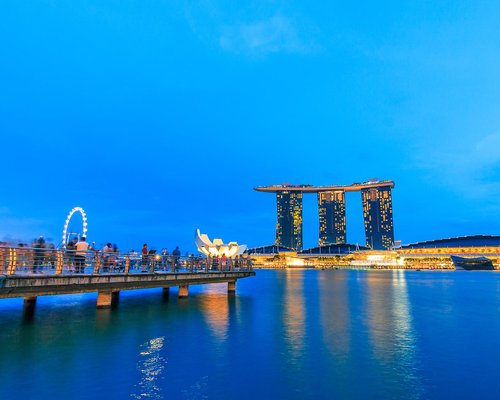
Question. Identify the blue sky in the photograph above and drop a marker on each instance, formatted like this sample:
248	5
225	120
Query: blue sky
158	117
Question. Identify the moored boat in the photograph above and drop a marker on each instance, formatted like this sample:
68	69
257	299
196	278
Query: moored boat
472	263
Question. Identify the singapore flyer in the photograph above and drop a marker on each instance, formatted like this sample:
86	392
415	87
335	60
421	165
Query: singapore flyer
83	232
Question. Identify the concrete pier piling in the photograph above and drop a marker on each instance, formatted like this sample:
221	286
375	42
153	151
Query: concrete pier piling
30	301
231	287
183	291
106	299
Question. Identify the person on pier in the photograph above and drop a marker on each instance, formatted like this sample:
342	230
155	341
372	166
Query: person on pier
115	252
164	259
82	248
39	254
106	257
176	256
144	261
70	254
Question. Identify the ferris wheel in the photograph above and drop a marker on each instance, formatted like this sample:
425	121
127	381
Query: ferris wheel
68	219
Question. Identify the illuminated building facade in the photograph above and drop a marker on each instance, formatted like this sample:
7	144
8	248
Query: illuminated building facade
289	221
377	210
332	221
377	214
217	248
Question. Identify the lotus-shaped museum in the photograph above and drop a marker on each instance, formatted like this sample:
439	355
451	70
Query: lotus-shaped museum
217	247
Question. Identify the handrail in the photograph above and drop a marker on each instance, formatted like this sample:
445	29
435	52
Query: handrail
32	260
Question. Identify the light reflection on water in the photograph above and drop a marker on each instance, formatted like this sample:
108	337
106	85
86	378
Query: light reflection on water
295	334
404	332
215	310
151	365
335	316
294	315
389	320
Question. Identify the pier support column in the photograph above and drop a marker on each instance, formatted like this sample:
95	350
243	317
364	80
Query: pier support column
183	290
106	299
231	287
29	308
30	301
166	293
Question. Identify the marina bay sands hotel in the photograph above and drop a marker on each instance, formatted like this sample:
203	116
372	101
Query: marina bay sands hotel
377	213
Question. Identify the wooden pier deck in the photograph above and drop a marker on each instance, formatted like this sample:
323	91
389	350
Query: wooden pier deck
21	279
108	286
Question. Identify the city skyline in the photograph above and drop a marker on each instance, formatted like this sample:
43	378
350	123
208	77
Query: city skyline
159	119
137	137
376	198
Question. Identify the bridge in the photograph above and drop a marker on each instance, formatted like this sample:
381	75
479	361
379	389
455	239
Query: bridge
29	273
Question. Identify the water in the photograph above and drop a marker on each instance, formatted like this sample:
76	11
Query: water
295	334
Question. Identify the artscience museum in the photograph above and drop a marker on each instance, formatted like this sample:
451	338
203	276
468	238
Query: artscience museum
217	248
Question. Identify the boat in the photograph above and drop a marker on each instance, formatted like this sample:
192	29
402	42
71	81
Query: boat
472	263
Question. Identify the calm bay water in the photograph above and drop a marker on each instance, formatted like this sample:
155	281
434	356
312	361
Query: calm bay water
295	334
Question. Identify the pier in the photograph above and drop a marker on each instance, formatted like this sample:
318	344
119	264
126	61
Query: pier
29	275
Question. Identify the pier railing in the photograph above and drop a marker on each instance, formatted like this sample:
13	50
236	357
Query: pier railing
28	260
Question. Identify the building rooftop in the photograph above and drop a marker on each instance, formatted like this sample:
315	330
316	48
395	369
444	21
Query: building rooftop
355	187
271	249
338	248
460	241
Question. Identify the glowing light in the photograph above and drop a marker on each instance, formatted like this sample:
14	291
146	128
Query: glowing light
295	262
217	247
68	219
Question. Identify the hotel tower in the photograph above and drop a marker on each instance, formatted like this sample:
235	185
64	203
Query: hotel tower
376	199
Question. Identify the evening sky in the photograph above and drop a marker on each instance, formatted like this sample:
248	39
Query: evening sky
159	117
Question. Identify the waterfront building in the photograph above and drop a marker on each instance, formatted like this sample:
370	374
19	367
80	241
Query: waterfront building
337	248
440	253
377	209
270	249
477	250
332	221
217	248
472	244
289	219
377	215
